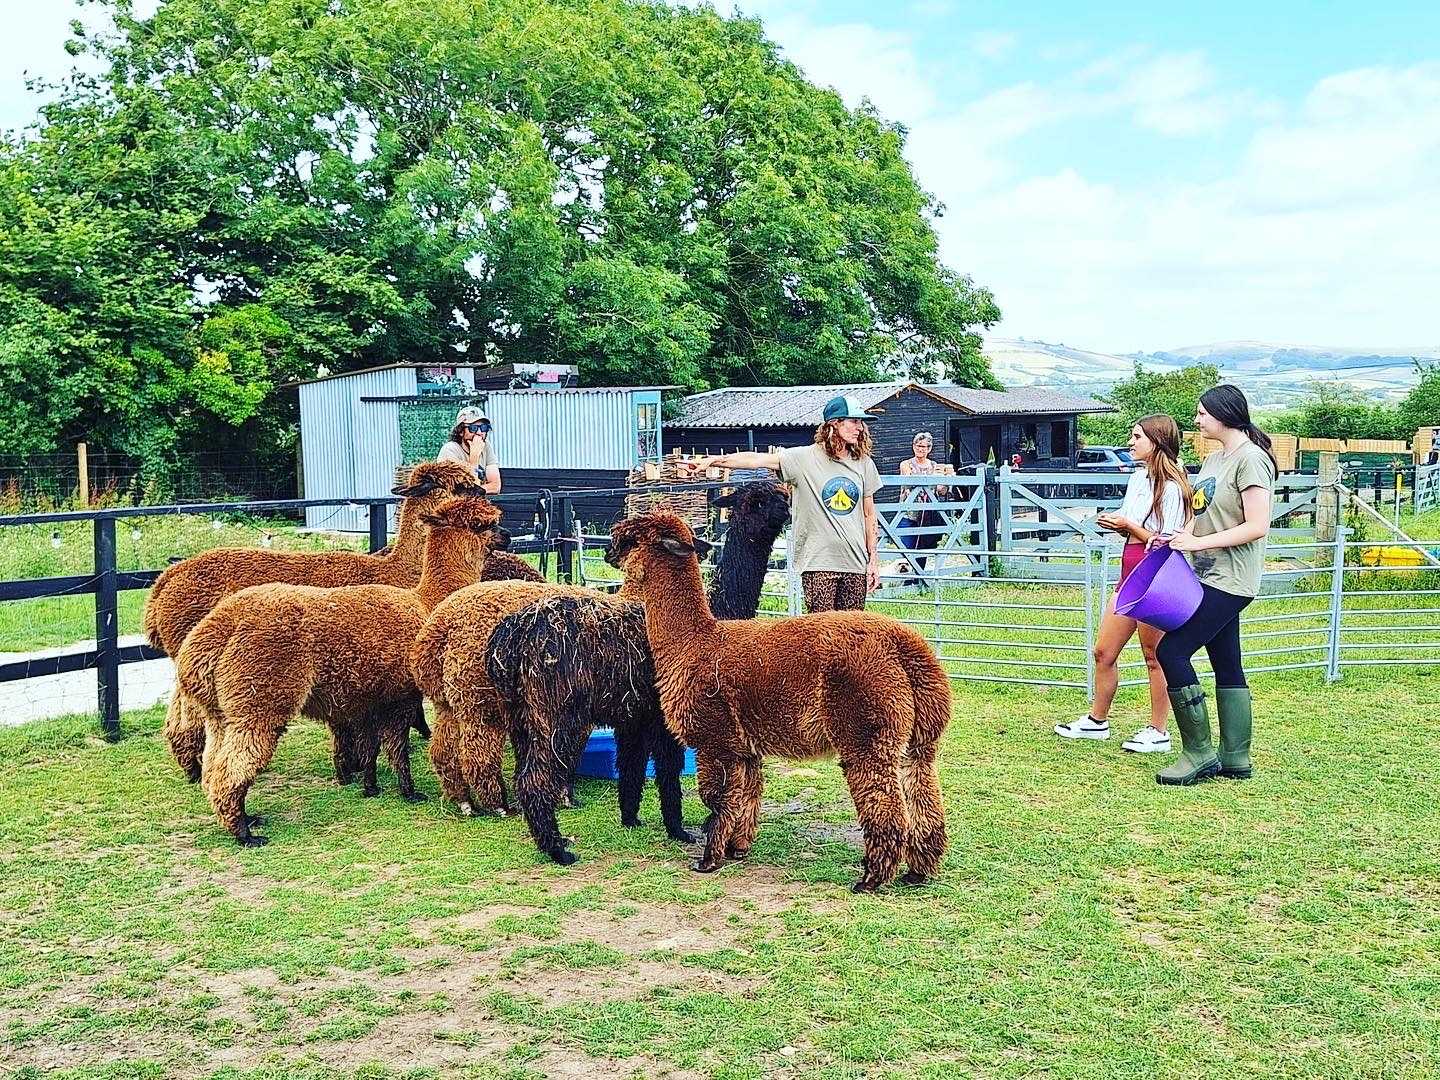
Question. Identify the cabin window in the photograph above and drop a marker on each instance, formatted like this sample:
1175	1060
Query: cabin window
647	431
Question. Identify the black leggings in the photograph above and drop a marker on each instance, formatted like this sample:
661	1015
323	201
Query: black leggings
1216	626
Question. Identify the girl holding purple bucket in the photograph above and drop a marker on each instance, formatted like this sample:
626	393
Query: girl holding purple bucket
1156	504
1225	542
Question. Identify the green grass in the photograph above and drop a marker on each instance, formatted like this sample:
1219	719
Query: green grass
1087	923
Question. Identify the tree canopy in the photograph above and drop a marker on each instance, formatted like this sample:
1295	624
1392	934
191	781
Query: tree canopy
254	190
1146	392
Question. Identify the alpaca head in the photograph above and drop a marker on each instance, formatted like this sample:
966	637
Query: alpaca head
471	513
651	536
759	510
431	481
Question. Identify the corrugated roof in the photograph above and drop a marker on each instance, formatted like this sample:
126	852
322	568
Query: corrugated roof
793	406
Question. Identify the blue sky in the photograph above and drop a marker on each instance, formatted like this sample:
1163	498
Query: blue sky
1127	176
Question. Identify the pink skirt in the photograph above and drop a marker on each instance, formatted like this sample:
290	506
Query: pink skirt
1129	559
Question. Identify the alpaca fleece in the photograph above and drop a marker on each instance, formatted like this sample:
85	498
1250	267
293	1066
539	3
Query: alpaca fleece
188	591
340	655
448	665
566	664
854	683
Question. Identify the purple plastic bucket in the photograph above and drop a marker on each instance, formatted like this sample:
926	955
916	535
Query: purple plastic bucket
1162	590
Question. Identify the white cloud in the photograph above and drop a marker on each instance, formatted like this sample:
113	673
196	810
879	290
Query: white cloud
1324	229
994	44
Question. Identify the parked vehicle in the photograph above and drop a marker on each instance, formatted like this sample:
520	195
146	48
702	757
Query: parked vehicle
1101	459
1108	458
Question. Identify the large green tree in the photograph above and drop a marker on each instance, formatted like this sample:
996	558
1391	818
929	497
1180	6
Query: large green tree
1145	392
256	189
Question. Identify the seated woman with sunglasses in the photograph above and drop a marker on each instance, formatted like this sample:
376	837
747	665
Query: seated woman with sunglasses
469	445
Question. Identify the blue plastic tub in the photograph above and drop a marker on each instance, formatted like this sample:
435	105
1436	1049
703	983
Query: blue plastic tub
598	758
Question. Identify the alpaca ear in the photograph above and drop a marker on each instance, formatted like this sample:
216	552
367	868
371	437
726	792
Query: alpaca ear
703	547
675	547
409	491
726	500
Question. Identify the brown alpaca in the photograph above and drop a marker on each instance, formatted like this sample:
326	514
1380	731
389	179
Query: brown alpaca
186	592
849	682
340	655
448	665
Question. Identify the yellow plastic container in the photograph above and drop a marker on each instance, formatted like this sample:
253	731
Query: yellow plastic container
1391	556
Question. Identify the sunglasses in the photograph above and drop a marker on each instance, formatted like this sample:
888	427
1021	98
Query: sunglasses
482	426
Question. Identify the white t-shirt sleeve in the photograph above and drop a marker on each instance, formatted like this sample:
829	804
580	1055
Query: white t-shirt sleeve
1136	504
1172	509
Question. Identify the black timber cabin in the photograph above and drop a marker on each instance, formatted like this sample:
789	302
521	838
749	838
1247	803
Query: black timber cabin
970	427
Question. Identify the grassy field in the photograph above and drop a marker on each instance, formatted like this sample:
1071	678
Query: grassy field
1087	923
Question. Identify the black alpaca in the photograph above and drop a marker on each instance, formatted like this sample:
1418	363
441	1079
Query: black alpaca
566	664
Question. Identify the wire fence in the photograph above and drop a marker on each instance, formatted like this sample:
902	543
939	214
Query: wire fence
40	482
75	585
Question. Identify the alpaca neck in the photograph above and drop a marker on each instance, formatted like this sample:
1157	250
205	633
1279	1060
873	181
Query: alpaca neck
410	536
739	577
675	605
452	561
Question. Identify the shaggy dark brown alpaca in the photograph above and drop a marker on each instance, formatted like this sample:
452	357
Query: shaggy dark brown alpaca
186	592
270	652
849	682
448	665
567	664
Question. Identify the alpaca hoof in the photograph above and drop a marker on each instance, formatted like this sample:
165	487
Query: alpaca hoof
684	836
413	796
863	886
631	823
370	793
570	802
193	775
252	840
703	867
737	852
564	856
913	877
466	810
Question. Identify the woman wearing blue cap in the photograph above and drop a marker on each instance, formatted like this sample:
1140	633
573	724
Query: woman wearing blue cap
833	483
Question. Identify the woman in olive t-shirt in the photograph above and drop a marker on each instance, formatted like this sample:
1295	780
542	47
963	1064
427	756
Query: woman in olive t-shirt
1226	544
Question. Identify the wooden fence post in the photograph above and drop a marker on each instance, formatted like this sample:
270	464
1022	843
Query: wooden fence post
82	467
107	629
1327	497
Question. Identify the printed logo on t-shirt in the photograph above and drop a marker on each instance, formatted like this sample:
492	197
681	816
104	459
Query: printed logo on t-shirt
840	495
1204	494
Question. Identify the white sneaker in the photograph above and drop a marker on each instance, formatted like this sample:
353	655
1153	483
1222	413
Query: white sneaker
1147	741
1086	727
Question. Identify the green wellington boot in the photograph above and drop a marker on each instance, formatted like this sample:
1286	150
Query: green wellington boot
1233	705
1197	760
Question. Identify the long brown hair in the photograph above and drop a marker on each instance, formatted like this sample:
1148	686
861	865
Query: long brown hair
828	437
1164	466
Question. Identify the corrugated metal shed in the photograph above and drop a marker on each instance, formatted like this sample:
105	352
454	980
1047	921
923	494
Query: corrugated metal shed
351	439
789	406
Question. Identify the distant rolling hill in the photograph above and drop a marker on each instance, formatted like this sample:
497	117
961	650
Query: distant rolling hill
1270	374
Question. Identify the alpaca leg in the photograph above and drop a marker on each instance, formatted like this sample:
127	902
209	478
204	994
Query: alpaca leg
418	720
246	747
875	786
367	746
445	760
920	784
537	786
342	754
631	754
396	738
185	732
482	758
722	776
669	758
749	823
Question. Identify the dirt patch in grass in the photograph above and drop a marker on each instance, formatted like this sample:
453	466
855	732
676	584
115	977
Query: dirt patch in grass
557	1063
